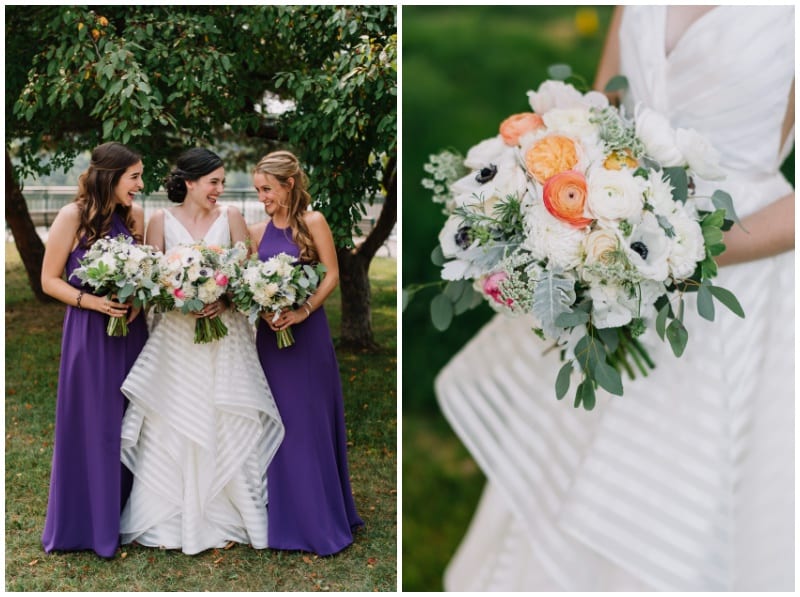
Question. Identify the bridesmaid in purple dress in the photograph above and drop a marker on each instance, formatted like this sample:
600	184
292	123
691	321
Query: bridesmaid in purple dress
88	484
311	505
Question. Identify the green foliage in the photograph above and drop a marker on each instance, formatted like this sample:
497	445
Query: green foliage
345	120
163	78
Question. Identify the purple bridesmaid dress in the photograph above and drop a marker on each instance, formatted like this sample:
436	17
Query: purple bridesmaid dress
311	505
88	484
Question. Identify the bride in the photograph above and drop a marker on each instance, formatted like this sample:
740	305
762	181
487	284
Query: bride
202	426
686	482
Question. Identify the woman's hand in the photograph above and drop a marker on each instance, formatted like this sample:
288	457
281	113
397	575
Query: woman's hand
211	310
104	305
285	319
134	313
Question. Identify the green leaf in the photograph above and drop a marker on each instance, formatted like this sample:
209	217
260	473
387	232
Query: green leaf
559	72
437	256
608	378
727	298
562	380
610	337
705	302
572	319
661	320
677	336
585	395
406	299
617	83
723	200
679	181
441	312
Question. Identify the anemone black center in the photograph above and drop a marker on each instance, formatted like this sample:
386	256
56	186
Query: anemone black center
640	248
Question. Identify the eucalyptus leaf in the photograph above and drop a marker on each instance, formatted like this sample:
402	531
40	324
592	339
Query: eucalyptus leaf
469	300
610	337
406	299
455	289
572	319
727	298
441	312
677	336
437	256
705	302
608	378
562	380
617	83
585	395
723	200
559	72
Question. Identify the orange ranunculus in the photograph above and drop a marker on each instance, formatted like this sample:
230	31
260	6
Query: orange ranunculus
564	196
513	127
616	160
550	156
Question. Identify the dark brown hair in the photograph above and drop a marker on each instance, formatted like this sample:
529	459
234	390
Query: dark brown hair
96	186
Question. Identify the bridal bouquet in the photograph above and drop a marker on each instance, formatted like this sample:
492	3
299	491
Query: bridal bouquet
122	270
192	276
274	285
585	220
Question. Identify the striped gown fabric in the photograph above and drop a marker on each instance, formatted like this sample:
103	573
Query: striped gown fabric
200	431
687	481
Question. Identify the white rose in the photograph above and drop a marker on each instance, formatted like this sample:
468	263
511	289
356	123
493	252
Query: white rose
658	137
702	157
601	247
648	249
548	237
687	246
570	121
208	291
615	195
557	94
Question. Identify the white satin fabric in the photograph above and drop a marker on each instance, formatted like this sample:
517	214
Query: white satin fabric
201	429
687	481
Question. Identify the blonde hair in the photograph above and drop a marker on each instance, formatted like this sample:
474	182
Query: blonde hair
284	165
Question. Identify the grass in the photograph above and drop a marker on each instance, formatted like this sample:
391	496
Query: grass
33	334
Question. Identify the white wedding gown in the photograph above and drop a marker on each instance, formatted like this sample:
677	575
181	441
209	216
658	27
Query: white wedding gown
687	481
201	429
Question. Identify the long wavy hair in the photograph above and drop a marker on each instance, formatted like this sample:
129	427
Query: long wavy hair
284	165
96	186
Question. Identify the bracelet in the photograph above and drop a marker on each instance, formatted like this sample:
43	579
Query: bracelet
308	302
78	302
308	311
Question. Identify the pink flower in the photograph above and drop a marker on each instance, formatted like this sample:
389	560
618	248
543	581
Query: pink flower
491	286
221	279
179	293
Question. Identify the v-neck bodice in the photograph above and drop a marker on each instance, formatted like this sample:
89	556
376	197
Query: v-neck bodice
175	233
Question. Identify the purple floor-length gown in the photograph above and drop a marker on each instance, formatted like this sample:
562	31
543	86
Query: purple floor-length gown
311	506
88	484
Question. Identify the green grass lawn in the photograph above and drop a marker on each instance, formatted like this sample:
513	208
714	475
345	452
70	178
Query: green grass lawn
33	336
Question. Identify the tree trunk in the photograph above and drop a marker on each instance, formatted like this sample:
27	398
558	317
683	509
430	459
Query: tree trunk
356	330
29	245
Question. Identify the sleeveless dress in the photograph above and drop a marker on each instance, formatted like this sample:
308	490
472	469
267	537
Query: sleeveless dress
200	430
311	505
88	484
687	481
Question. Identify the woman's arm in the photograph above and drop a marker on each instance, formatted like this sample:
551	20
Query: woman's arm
60	243
238	226
155	231
609	59
765	233
256	232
